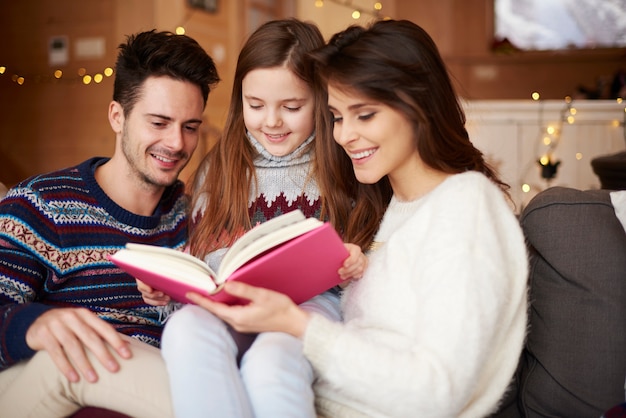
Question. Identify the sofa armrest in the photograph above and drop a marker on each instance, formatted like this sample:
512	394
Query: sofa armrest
574	362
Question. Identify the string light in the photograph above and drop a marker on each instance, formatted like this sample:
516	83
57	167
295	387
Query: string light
57	76
20	78
357	12
551	136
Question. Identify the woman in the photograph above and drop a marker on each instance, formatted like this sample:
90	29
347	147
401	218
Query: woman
436	325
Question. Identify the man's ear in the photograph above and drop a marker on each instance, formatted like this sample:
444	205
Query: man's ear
116	117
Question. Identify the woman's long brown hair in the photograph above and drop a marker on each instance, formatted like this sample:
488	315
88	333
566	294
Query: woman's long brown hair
395	63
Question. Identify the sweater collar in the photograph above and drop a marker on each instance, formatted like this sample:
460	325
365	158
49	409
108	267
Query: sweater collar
266	159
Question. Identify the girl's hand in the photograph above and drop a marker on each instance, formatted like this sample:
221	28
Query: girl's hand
354	266
267	310
152	296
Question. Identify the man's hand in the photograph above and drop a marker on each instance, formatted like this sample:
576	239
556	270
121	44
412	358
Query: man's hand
65	333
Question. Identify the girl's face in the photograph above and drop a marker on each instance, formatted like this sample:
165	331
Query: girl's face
277	109
378	139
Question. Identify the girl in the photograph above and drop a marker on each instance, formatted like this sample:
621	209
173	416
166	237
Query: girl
436	325
263	166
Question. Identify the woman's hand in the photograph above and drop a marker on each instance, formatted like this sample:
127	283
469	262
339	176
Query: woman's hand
152	296
267	310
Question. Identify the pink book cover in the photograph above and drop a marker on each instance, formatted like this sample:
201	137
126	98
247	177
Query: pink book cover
301	268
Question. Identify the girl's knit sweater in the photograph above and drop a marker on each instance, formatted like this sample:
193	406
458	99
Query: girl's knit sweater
56	231
284	184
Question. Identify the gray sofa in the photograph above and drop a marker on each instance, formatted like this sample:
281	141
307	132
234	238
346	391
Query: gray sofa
574	361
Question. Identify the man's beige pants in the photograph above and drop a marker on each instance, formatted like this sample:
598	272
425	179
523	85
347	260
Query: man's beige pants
36	388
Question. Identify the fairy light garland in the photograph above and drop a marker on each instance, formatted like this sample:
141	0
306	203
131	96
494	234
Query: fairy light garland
82	76
356	11
56	76
550	136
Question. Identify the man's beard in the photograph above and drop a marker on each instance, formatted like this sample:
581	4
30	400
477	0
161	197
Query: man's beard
145	176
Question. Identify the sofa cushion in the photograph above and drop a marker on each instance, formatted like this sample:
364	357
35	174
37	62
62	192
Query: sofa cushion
574	362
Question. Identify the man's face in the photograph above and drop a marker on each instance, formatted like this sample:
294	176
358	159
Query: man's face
161	132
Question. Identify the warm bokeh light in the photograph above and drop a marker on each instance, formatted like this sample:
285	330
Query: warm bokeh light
579	156
547	140
20	80
525	188
2	69
82	72
98	78
535	95
550	130
378	6
570	119
319	3
108	71
544	160
356	15
58	74
180	30
87	79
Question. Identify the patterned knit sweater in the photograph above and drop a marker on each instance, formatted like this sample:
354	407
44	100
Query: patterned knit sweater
284	185
55	233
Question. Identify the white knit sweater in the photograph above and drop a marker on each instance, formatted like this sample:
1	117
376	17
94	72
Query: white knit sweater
436	325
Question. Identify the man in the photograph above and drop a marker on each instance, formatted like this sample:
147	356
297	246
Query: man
74	330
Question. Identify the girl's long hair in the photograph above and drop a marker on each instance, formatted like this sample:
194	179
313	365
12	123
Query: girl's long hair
395	63
229	165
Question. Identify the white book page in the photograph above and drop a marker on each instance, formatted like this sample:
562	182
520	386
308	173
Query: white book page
181	259
261	230
262	241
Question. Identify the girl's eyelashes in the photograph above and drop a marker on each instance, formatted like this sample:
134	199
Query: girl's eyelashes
335	119
288	108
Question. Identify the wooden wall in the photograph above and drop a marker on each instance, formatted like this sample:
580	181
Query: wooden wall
463	31
47	124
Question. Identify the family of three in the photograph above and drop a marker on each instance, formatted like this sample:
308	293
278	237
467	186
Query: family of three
364	131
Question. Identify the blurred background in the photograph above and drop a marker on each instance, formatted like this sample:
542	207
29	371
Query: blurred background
56	56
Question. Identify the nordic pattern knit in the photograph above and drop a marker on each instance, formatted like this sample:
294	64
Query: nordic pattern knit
284	185
436	325
55	233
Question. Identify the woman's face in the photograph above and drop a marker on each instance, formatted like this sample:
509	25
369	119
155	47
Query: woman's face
277	109
378	139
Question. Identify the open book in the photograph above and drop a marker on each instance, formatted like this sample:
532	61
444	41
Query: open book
291	254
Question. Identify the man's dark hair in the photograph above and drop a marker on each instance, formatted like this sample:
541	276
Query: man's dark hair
155	54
